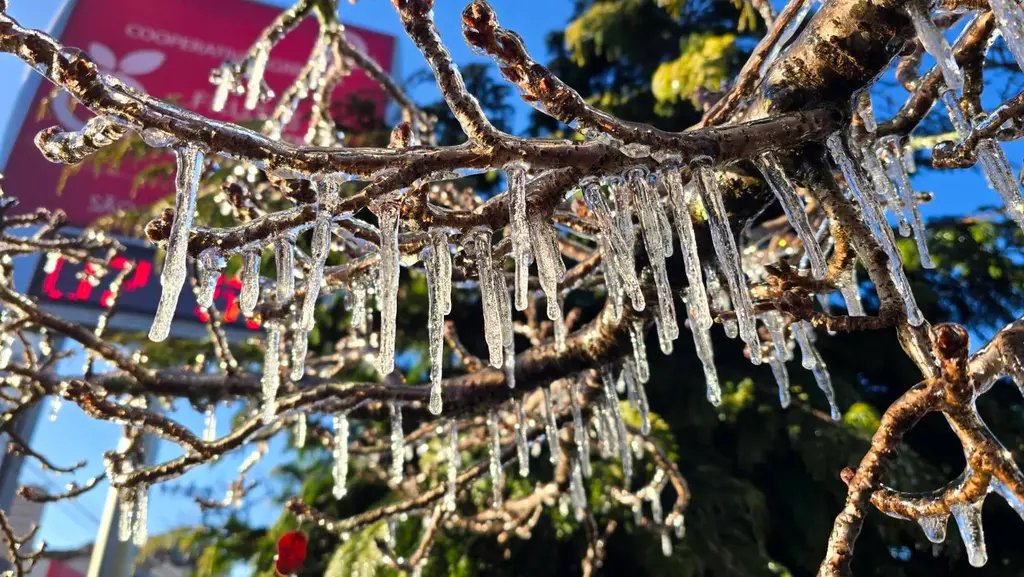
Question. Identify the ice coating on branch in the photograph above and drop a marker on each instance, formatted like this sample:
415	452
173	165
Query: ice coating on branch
522	251
438	264
1010	20
811	360
211	263
339	470
387	212
284	261
935	44
898	174
934	527
250	293
581	435
550	268
271	372
872	210
791	203
320	248
551	428
619	246
729	259
522	446
636	339
210	424
618	425
453	459
298	362
257	68
397	443
189	168
494	468
655	232
968	520
6	349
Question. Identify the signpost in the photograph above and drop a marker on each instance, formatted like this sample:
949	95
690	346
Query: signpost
167	49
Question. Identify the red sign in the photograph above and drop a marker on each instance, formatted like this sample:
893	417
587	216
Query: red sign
59	281
167	49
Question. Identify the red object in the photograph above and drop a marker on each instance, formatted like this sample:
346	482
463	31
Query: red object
168	49
291	553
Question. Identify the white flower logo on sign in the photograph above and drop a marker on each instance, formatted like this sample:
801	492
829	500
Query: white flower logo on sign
136	63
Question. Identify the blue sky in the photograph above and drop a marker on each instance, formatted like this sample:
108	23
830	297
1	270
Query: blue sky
73	436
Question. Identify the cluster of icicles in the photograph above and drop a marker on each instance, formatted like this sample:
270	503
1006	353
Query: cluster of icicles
875	172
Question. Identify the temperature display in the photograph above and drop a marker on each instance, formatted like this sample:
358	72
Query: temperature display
60	280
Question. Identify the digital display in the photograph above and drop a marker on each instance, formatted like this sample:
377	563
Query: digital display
57	280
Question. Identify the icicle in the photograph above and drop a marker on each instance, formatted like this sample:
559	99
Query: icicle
898	174
576	491
340	454
6	349
224	78
453	459
1010	20
580	435
257	67
522	252
935	44
884	188
508	343
620	247
934	527
850	290
271	372
623	209
775	324
250	281
522	447
879	226
211	262
210	424
284	261
497	478
636	395
550	268
729	259
636	339
1011	498
397	443
126	513
1000	177
387	285
612	282
652	218
706	354
301	431
299	348
172	277
435	329
551	428
780	184
140	529
812	361
480	239
320	248
618	425
786	35
968	520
